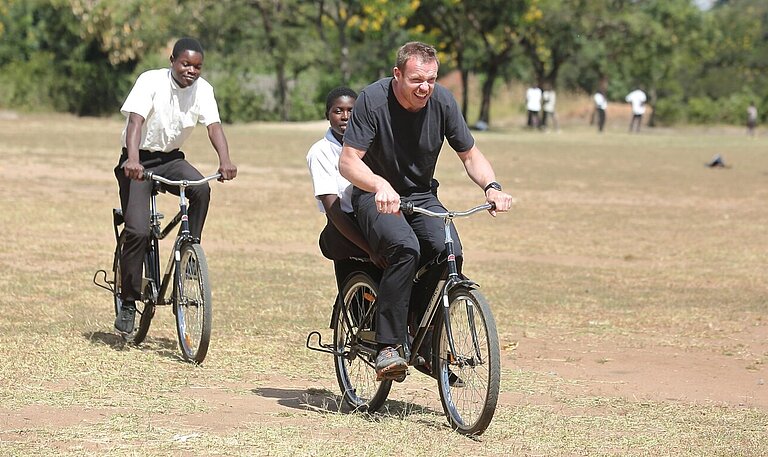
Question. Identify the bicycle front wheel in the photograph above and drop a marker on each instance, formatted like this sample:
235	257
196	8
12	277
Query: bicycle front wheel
192	303
469	379
354	335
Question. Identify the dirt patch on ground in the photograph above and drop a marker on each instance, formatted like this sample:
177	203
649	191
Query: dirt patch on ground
654	373
642	372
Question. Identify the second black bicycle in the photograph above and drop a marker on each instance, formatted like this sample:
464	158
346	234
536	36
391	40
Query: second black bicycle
184	283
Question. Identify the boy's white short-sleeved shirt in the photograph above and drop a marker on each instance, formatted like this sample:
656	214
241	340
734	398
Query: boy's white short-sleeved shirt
170	112
323	163
549	98
637	98
533	99
600	101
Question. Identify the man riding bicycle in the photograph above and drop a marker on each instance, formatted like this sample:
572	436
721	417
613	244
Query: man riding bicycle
391	146
162	109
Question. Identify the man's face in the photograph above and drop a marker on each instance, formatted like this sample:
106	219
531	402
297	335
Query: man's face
338	115
186	67
415	83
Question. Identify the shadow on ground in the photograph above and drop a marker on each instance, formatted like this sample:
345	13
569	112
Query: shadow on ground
326	402
164	347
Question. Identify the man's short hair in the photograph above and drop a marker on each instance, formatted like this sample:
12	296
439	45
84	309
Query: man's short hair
336	93
186	44
422	51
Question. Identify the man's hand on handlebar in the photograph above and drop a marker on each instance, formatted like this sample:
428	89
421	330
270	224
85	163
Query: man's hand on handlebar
387	200
228	171
502	201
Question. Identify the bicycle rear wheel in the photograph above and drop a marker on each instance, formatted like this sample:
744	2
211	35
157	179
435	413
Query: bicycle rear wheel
192	303
354	336
145	311
474	370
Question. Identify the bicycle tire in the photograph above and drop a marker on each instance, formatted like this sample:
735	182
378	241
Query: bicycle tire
192	303
471	403
145	311
355	360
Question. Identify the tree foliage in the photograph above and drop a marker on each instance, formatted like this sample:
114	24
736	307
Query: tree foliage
276	59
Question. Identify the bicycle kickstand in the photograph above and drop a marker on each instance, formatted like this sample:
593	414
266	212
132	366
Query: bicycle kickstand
319	346
104	283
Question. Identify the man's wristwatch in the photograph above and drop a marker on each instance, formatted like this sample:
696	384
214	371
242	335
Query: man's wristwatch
492	185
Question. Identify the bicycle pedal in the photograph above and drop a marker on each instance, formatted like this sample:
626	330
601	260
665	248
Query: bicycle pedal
395	373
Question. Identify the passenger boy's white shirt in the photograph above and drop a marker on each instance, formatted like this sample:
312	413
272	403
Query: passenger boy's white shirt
323	163
170	112
637	98
533	99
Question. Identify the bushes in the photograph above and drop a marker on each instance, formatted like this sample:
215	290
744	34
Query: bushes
704	110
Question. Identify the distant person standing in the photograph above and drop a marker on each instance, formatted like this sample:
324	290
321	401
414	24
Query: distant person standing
533	105
601	104
548	107
637	98
751	119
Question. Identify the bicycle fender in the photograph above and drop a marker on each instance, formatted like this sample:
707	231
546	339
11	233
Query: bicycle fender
468	283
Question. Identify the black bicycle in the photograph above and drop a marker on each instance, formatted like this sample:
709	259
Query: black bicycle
453	340
184	284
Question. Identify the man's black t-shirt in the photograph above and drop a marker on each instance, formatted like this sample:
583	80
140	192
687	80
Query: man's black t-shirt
402	146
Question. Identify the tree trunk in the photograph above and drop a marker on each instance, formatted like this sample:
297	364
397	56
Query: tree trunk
464	92
652	103
492	72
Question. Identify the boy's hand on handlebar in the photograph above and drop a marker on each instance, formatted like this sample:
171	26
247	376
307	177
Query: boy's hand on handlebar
228	171
133	169
502	201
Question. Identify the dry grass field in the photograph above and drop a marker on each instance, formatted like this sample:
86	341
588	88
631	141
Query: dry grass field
628	284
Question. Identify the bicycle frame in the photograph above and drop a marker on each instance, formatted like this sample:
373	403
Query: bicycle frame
444	286
439	295
158	233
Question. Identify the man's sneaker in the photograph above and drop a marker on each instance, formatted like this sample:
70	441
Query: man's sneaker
390	366
126	318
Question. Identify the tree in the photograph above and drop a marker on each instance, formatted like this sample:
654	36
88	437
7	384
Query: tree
664	33
446	21
480	35
557	35
49	60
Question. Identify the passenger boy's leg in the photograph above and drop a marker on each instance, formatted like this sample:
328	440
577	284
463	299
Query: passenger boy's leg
335	246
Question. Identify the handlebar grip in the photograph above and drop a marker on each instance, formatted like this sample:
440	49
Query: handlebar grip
406	207
147	175
493	206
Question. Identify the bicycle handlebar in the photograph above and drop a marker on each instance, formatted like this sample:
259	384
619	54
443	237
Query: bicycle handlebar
148	175
408	208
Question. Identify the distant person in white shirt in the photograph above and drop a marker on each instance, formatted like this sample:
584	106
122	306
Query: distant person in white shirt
549	99
751	119
601	104
533	105
162	109
637	98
